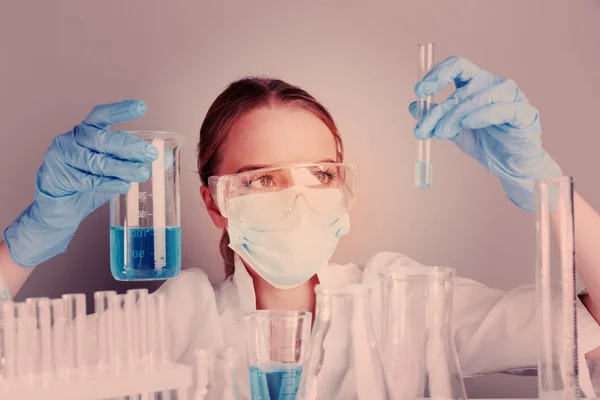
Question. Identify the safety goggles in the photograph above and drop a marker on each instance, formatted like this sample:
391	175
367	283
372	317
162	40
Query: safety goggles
328	188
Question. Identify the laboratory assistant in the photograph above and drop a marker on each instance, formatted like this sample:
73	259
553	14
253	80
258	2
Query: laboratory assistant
271	164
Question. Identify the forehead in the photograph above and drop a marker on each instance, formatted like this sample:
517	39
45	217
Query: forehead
276	135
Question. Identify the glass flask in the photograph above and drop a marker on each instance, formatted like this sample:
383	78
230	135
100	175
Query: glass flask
276	347
343	360
417	347
145	227
558	376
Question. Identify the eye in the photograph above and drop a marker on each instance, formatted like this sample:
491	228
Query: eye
325	177
266	180
259	182
322	177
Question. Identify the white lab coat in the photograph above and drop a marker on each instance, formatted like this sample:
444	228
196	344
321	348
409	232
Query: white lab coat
494	330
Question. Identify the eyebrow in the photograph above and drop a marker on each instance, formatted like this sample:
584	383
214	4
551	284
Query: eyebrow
253	167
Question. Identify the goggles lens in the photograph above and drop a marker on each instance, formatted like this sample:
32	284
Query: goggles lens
328	188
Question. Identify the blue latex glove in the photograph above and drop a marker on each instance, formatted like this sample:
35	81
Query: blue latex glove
490	119
81	170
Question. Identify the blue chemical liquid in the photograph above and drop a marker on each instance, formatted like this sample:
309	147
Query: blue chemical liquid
133	258
423	174
276	383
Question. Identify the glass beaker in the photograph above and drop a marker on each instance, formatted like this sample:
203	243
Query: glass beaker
417	346
558	375
145	227
276	346
343	361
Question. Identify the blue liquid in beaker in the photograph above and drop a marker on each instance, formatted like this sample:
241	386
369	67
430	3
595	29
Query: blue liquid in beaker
275	383
134	258
423	174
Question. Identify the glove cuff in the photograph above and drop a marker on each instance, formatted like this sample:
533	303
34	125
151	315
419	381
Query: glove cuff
30	243
521	190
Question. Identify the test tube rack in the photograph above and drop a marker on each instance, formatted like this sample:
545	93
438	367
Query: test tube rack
51	349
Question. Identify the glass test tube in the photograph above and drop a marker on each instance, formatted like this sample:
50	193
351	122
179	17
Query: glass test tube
57	321
128	317
556	296
75	329
24	340
105	328
157	328
136	309
7	347
120	331
43	348
39	307
423	165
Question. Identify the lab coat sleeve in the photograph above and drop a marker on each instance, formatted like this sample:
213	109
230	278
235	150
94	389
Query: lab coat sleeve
494	330
497	331
192	316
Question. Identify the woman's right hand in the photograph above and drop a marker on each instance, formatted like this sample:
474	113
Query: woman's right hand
81	170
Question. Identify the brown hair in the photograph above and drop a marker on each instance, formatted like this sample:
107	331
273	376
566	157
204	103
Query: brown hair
239	98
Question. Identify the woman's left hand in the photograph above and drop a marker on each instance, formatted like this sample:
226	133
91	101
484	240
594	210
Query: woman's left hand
490	119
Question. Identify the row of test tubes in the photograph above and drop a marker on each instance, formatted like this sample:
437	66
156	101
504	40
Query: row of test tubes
42	338
131	330
45	343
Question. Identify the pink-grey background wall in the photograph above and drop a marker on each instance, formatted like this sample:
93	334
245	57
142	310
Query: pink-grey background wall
60	58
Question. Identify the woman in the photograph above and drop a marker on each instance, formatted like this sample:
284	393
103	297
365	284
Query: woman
256	124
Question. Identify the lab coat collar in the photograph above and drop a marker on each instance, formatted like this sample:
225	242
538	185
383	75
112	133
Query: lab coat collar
245	286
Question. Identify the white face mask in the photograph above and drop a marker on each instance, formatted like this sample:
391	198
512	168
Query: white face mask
288	252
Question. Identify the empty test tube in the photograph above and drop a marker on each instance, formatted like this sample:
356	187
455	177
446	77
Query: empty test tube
8	340
423	165
152	333
128	334
43	358
161	327
157	345
24	340
105	328
120	322
136	316
36	329
57	322
75	340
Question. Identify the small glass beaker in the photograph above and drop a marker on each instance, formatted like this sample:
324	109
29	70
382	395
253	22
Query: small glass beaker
344	361
145	227
417	346
276	346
